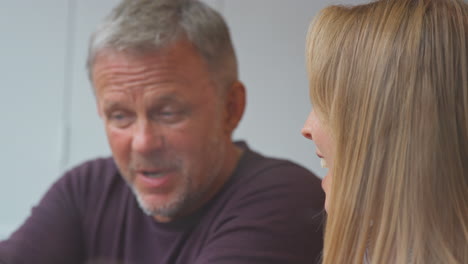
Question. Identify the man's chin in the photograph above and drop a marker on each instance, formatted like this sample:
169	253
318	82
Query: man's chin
156	207
150	205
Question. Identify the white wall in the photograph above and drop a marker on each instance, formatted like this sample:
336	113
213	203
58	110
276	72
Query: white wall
32	66
50	122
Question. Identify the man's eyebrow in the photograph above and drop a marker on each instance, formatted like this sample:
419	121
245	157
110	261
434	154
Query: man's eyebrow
109	105
168	99
171	97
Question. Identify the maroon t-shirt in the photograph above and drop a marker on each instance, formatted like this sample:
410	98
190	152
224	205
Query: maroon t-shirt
270	211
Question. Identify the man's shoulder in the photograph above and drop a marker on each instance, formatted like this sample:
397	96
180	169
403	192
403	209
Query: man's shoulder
103	166
257	173
89	175
270	197
254	163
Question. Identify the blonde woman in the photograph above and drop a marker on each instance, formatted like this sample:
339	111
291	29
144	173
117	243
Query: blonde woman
389	89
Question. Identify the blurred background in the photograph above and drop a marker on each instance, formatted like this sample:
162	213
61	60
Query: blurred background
50	119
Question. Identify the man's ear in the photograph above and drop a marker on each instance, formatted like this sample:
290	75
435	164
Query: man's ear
235	106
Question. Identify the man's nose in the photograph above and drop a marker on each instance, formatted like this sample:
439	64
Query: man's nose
147	137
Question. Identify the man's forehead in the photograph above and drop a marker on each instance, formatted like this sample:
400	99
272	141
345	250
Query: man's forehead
144	51
121	70
178	66
179	57
116	99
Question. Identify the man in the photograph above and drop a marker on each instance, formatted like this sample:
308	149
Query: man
177	189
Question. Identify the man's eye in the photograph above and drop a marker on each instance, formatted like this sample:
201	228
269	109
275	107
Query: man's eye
120	119
167	114
117	116
171	116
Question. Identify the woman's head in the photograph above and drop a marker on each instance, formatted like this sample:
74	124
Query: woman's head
315	129
388	83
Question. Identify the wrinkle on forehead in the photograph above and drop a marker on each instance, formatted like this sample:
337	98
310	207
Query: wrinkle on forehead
110	102
120	70
129	73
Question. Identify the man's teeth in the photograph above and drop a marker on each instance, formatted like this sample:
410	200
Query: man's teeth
323	163
153	175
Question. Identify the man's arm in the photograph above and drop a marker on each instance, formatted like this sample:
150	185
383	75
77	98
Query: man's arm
276	218
51	234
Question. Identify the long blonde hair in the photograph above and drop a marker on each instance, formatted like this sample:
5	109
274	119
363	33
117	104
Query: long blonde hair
390	80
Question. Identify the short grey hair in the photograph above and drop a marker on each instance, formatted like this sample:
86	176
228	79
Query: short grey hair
147	25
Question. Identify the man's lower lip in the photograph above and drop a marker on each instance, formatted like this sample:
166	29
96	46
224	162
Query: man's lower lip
150	182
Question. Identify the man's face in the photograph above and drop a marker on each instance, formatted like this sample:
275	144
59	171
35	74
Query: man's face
164	122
